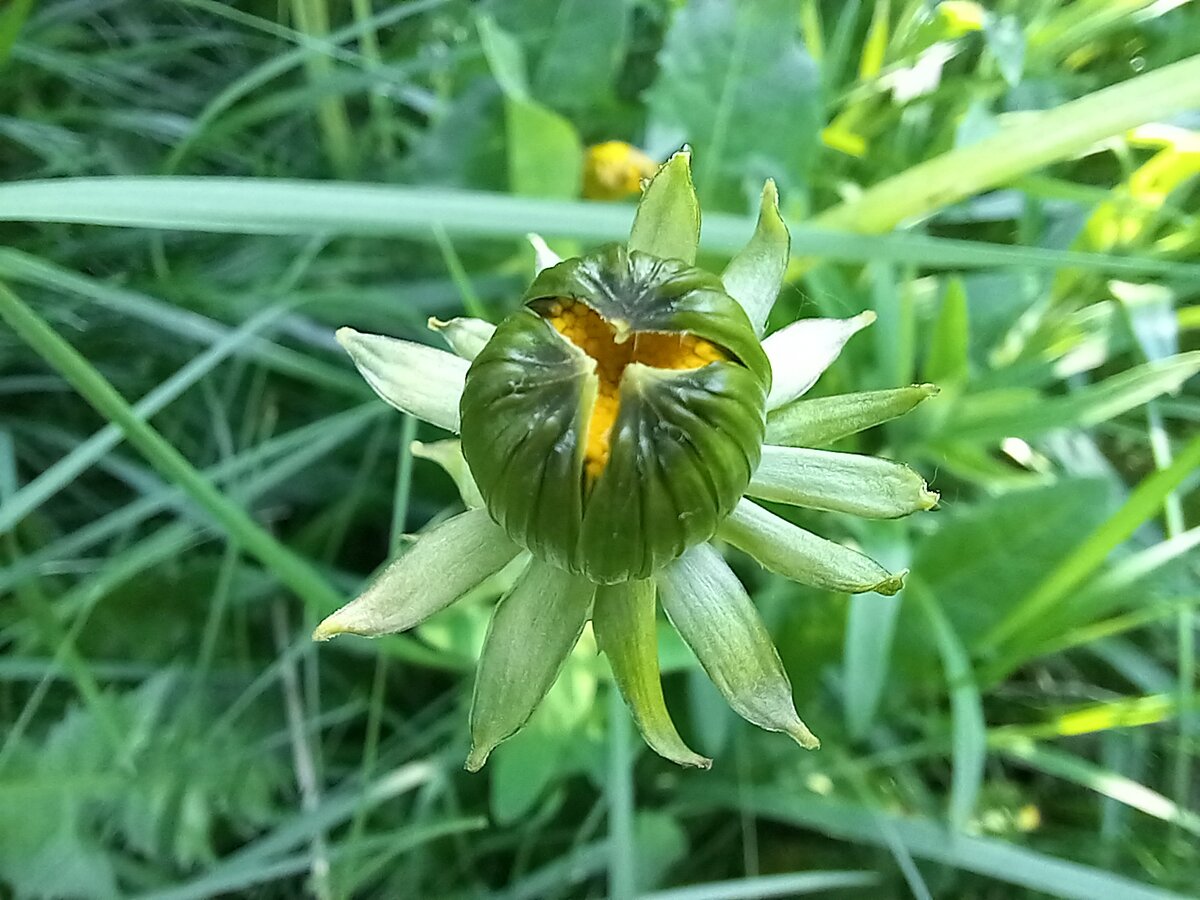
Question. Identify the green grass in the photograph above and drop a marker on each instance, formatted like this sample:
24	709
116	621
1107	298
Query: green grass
194	195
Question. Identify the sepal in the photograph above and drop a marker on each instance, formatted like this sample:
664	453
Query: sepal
754	277
667	222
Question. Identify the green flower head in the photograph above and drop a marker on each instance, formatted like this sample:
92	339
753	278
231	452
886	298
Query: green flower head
610	429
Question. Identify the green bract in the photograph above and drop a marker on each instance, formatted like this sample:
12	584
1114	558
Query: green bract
610	426
684	444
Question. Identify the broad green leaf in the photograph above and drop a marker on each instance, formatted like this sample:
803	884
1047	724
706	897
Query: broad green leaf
522	769
667	221
461	148
726	72
839	482
802	556
533	630
580	60
572	49
504	57
627	633
712	612
968	562
824	420
1141	505
753	277
545	155
451	559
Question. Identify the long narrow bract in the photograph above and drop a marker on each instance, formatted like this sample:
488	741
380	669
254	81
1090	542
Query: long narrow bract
713	613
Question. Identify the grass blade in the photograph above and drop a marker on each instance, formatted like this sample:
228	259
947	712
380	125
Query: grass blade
25	268
1084	408
1044	138
292	206
1145	501
786	885
1103	781
292	569
1006	862
969	728
59	475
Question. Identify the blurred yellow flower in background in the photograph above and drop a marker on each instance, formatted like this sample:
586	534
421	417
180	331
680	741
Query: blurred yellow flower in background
614	170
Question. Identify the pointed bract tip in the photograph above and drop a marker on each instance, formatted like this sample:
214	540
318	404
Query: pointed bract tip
931	390
544	256
770	194
801	735
681	158
682	755
892	584
329	628
345	335
929	499
476	758
865	318
433	323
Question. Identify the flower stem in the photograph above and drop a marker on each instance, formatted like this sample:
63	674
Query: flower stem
621	804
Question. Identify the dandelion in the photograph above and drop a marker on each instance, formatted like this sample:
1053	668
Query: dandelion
611	429
614	170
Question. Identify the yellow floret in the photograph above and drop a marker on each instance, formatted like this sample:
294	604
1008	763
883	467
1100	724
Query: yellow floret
591	333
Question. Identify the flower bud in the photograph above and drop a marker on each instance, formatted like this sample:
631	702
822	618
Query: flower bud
616	418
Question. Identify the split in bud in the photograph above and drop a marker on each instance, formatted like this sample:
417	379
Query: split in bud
617	419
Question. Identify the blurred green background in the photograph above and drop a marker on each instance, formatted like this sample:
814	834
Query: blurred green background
1012	187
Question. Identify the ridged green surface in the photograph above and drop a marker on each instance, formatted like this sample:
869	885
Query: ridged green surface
526	406
684	444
